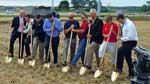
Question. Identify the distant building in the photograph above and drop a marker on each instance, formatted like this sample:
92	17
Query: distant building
43	11
9	12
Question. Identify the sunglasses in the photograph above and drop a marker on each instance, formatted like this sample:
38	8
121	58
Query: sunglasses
82	17
70	17
106	21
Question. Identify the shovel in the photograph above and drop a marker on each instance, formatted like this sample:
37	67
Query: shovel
31	63
8	59
67	68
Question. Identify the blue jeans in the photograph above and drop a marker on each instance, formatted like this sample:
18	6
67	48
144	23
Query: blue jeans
80	52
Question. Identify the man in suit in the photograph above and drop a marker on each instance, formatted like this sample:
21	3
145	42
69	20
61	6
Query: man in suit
17	26
96	39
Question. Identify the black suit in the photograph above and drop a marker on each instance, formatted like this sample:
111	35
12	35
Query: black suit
96	31
96	39
14	35
15	23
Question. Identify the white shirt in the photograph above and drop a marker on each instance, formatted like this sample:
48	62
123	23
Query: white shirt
129	32
21	20
28	26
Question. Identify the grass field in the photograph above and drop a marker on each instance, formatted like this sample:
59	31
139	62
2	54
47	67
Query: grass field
17	74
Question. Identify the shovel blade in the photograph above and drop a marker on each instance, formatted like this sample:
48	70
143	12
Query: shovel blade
32	63
97	74
45	65
114	76
65	69
21	61
83	70
8	59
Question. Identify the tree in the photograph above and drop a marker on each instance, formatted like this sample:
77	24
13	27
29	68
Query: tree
75	3
78	5
93	4
64	4
148	2
146	7
82	4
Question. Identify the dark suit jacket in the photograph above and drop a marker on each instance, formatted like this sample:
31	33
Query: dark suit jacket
96	31
15	23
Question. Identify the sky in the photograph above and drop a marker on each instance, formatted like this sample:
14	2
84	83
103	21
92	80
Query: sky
49	2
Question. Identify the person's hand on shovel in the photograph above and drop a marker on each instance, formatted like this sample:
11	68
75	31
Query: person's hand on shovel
118	38
71	27
53	27
22	27
89	36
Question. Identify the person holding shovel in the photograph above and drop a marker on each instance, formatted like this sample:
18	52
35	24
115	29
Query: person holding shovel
110	34
38	39
129	41
17	26
52	28
68	27
82	34
96	39
27	33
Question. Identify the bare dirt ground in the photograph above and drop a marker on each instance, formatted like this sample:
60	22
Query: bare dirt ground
17	74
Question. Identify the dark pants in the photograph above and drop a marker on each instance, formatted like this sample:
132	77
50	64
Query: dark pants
27	42
14	35
54	45
125	51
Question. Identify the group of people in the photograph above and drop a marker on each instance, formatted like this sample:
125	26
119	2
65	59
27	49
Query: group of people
95	36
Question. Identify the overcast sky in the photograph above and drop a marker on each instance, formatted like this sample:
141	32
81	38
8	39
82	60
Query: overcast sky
48	2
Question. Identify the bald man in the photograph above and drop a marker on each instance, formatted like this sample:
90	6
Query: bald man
17	26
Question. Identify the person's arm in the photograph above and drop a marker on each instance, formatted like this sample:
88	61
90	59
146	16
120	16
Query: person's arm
67	28
13	22
128	32
84	28
104	32
115	29
29	27
45	28
58	25
99	29
34	26
78	30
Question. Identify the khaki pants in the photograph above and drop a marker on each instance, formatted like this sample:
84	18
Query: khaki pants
36	43
93	48
111	46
